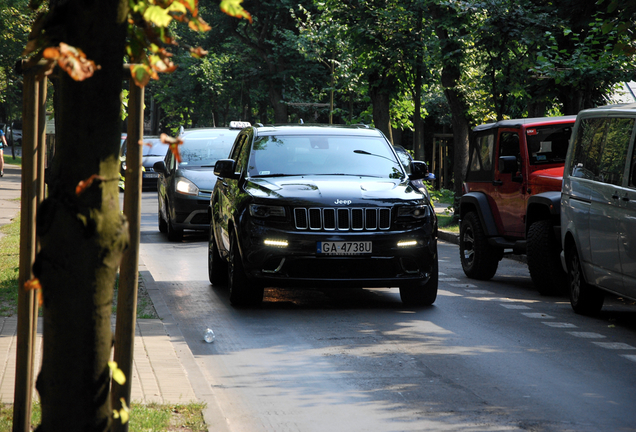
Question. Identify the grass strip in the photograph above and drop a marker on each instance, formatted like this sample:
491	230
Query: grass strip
143	418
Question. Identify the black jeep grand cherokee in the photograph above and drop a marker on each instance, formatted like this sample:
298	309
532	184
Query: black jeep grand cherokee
320	206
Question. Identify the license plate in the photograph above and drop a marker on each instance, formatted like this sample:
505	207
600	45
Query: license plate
151	175
344	248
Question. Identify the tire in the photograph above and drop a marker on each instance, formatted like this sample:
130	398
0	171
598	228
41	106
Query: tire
479	259
584	298
544	263
163	225
217	266
242	292
174	234
422	294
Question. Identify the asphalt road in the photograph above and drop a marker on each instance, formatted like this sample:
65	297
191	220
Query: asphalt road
487	356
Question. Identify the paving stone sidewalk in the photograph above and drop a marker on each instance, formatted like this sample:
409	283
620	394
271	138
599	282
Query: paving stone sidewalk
158	373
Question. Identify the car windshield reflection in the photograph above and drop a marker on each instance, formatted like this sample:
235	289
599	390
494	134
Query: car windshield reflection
204	151
274	156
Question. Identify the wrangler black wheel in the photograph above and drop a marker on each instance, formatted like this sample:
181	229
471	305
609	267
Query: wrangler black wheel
479	259
544	263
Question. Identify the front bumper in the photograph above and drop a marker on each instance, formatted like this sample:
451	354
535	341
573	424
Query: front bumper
191	212
299	264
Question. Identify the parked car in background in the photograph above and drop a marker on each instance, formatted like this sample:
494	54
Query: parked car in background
320	206
184	188
153	150
511	198
598	207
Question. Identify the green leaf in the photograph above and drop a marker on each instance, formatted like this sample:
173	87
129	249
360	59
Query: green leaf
118	375
158	16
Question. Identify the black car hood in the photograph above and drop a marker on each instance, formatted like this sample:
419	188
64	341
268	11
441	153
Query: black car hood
334	190
204	178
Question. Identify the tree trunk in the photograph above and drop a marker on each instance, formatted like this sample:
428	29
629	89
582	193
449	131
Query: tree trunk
451	54
82	236
276	99
381	100
418	136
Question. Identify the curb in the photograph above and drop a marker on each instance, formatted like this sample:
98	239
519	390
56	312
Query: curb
448	236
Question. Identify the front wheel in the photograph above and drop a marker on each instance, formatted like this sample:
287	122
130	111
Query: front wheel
422	294
217	266
584	298
242	292
544	263
163	225
174	234
479	259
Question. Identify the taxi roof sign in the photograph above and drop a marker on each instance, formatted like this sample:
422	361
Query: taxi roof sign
239	124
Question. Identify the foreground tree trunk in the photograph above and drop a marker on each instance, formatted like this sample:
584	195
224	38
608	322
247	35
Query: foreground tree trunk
82	236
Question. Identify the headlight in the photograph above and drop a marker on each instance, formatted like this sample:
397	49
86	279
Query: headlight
186	187
266	211
414	212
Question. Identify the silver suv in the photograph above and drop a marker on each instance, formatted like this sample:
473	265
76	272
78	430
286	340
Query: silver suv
598	207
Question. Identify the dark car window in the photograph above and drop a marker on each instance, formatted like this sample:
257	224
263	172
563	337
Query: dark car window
203	150
323	155
509	146
602	146
480	166
548	144
404	157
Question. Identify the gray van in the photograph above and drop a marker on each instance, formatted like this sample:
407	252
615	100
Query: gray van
598	207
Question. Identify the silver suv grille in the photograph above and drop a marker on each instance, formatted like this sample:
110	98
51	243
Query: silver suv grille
342	219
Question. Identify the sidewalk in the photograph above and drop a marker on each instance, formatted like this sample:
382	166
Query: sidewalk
158	372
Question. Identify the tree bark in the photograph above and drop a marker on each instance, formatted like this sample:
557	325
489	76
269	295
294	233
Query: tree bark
83	235
451	54
381	100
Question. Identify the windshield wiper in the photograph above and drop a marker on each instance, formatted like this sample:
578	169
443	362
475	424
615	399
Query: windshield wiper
364	152
276	175
347	174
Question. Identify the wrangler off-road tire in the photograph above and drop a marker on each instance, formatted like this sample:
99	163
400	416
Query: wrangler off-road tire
479	259
544	263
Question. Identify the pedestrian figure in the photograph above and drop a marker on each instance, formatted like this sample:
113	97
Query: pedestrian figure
3	144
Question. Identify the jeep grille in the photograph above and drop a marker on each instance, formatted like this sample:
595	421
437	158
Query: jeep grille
342	219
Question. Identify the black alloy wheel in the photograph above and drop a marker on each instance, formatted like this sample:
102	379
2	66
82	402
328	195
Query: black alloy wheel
479	259
217	266
422	294
242	291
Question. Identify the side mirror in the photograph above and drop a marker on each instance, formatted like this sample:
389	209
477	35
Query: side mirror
419	170
225	168
160	167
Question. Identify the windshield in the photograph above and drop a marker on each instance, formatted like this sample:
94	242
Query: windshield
154	147
203	150
548	144
323	155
